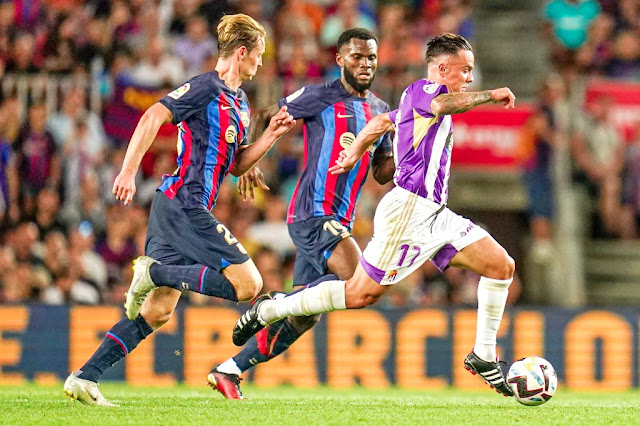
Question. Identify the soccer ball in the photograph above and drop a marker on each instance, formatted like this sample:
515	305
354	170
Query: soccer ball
533	380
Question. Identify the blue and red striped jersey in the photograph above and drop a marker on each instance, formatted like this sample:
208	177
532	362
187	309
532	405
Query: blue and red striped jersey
213	122
332	119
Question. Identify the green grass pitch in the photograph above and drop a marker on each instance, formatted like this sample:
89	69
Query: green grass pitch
180	405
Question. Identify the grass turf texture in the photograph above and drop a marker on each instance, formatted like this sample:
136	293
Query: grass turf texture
33	404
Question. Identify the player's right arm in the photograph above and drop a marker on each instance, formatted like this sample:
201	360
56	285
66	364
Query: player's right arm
371	132
124	186
254	177
458	102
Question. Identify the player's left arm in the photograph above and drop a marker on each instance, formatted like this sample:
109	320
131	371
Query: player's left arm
372	131
383	167
279	124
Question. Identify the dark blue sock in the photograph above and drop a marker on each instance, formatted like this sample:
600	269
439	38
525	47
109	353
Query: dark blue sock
198	278
328	277
267	344
274	339
119	341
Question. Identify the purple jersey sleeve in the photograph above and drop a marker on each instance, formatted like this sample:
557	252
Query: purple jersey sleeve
189	98
423	92
392	115
305	102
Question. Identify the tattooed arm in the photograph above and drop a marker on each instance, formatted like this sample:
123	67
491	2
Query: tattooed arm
458	102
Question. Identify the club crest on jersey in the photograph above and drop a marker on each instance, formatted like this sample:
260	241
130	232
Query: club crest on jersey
244	118
347	139
230	134
177	94
391	276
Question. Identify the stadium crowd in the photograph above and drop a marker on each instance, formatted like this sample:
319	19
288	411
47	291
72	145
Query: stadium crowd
64	239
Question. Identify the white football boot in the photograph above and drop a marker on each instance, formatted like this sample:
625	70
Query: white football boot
141	286
85	391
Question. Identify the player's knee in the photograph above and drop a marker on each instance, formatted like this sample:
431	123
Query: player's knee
302	324
504	268
248	289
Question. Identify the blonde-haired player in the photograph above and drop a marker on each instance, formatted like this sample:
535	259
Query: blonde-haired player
187	248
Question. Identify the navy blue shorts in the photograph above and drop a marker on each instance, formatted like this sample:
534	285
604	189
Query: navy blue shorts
315	240
180	235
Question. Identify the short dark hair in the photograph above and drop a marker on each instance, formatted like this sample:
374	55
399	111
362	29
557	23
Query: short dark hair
446	43
359	33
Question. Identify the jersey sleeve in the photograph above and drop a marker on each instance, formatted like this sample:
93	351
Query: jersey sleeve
423	93
305	102
189	98
393	114
384	144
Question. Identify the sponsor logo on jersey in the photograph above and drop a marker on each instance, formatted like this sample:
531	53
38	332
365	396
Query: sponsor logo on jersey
225	107
391	275
294	95
346	139
180	91
230	134
341	115
430	88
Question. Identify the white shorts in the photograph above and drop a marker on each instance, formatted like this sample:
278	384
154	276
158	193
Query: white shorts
408	230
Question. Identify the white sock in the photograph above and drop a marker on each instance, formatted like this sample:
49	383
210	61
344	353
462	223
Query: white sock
229	367
325	297
492	297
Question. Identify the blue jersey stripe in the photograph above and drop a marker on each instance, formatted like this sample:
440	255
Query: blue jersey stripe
361	121
213	115
167	182
328	120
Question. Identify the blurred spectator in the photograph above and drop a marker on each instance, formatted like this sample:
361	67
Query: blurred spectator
157	66
68	287
594	55
37	160
10	120
60	50
598	153
55	253
63	123
81	243
625	61
569	21
397	67
347	15
23	241
94	44
631	183
9	209
79	160
539	136
628	15
22	57
46	212
117	247
272	232
195	46
17	285
90	206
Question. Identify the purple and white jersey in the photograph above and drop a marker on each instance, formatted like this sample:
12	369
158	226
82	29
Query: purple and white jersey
422	144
